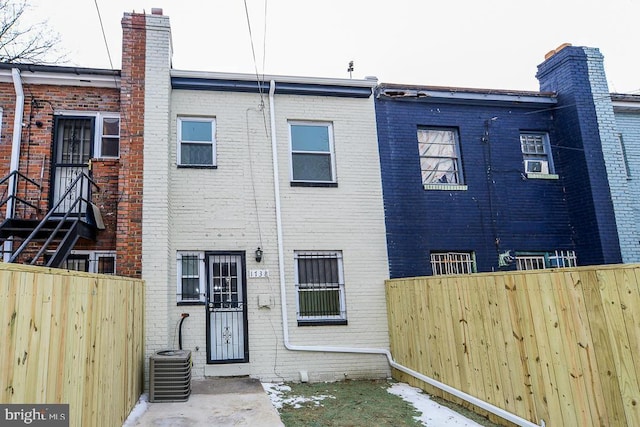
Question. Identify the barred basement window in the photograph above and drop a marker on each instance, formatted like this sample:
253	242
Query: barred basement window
542	260
452	263
320	288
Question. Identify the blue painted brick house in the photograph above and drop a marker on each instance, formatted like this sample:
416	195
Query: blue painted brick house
487	180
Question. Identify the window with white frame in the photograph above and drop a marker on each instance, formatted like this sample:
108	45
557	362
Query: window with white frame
452	263
312	155
542	260
105	132
196	142
320	288
439	150
191	277
90	261
536	153
109	141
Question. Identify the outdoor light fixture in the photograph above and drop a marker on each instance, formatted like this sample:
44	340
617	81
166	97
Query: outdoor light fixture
258	254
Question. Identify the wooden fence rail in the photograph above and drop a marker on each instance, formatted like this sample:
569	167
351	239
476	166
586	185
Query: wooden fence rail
558	345
69	337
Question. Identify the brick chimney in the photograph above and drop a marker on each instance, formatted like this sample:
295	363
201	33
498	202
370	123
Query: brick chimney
586	144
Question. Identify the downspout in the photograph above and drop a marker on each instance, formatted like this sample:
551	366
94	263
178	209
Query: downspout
15	155
283	304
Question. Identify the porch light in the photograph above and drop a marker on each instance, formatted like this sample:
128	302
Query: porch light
258	254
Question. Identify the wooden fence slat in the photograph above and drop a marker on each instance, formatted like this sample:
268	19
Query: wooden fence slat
561	345
65	340
566	302
629	290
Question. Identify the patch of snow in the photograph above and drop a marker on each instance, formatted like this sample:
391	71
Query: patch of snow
276	393
433	414
137	411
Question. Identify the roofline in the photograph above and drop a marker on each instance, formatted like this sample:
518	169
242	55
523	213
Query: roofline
63	76
461	94
625	102
324	81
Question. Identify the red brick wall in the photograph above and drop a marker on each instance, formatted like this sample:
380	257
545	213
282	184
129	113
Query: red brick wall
129	243
41	101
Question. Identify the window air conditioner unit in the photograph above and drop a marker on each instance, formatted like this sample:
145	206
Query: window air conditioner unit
536	166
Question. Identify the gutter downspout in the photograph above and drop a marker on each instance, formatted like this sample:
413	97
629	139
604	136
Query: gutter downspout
283	304
15	155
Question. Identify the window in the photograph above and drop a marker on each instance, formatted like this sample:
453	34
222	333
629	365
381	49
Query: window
90	262
541	260
312	158
109	142
452	263
536	153
439	157
98	133
196	142
191	277
625	159
320	288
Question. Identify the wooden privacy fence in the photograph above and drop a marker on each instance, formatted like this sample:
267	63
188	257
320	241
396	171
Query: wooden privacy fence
558	345
69	337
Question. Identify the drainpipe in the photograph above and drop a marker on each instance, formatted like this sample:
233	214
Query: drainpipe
357	350
15	154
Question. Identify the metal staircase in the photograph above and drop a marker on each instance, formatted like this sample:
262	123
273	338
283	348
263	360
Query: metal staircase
49	240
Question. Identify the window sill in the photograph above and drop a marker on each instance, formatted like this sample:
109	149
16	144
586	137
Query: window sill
322	322
533	175
314	184
197	166
190	303
445	187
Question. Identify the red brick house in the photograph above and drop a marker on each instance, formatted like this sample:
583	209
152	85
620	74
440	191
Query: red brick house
71	164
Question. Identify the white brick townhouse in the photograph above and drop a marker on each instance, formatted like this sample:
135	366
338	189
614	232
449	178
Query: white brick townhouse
262	221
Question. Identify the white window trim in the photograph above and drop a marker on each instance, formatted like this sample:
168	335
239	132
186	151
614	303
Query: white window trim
93	258
201	273
547	154
213	141
97	131
331	153
341	287
100	135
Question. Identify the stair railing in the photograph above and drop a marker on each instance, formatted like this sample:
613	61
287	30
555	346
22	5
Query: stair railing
81	179
13	194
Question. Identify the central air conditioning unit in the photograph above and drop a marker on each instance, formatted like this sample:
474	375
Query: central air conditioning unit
536	166
170	376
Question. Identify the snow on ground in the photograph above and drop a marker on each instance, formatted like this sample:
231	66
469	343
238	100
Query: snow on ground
137	411
276	391
433	414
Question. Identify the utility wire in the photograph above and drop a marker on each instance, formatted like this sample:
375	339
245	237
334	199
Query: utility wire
253	52
104	37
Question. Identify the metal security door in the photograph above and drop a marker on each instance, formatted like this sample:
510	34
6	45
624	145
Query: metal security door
72	150
227	339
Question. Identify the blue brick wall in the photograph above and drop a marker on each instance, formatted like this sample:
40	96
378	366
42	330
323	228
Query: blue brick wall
501	209
577	75
628	126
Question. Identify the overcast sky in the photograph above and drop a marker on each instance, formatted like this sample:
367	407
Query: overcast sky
495	44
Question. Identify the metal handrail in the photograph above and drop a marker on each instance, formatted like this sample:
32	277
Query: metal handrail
18	174
69	211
